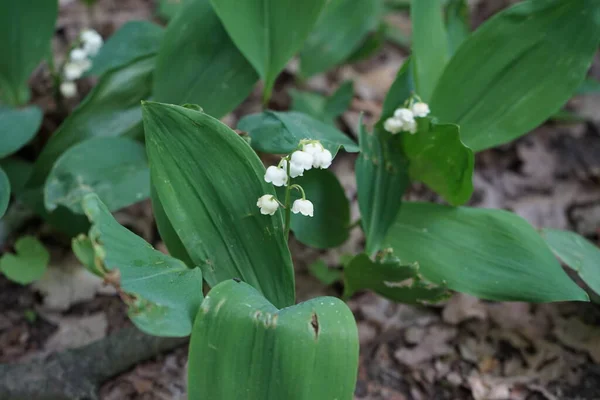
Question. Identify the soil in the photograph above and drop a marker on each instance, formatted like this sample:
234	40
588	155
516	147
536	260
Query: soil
464	348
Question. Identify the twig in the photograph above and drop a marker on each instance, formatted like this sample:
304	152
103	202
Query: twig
77	374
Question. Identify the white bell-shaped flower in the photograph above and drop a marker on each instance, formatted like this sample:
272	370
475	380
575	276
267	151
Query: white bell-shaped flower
404	115
304	207
267	204
68	89
302	159
420	109
91	41
295	170
78	55
312	148
393	125
322	159
72	71
275	175
411	127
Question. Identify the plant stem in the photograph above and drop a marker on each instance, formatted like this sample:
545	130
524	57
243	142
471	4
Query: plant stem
354	224
288	211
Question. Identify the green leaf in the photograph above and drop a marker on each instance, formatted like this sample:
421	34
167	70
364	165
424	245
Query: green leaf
381	179
340	29
4	192
208	181
578	253
83	248
17	127
167	232
390	279
18	171
440	159
266	33
29	264
168	9
513	91
329	227
305	352
325	109
26	29
280	132
370	45
133	40
114	168
163	294
429	45
111	109
458	23
401	90
491	254
324	274
212	73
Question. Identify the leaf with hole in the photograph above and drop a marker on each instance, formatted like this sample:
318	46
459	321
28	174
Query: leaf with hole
211	73
303	352
162	293
208	180
578	253
280	132
491	254
514	90
114	168
275	36
28	264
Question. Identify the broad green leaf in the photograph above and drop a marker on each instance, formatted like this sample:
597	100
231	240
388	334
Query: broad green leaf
280	132
329	227
163	294
17	127
381	179
382	168
4	192
29	264
458	23
26	28
18	171
167	9
208	181
133	40
370	45
324	274
514	90
114	168
325	109
111	109
304	352
167	232
211	73
268	32
578	253
491	254
390	279
429	44
83	248
342	26
397	36
438	157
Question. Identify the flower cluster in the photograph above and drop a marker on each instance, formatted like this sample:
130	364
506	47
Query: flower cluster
404	118
311	154
89	44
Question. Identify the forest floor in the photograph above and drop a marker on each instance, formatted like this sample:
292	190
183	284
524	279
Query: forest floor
462	349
